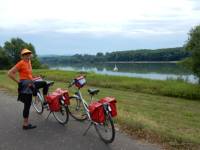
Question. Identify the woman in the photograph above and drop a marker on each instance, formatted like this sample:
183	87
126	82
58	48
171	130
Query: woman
26	84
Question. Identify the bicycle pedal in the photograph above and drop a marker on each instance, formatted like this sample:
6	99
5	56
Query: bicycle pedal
46	107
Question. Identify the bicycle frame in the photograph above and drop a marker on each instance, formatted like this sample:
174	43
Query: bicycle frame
40	95
79	96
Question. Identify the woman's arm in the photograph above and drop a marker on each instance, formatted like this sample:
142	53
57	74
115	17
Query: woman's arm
12	74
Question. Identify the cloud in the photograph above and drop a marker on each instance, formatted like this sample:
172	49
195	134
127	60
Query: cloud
51	43
196	7
92	12
98	22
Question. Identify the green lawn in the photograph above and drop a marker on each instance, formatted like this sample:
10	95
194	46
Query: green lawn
170	88
157	118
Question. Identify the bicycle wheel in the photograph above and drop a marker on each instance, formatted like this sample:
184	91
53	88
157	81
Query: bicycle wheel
76	109
37	103
62	116
106	130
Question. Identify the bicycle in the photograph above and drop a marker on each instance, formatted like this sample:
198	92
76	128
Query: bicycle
62	112
80	110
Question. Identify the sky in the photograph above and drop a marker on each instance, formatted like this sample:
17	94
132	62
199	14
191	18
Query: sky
66	27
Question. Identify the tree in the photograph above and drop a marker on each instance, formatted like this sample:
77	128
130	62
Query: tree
193	45
4	60
13	48
99	54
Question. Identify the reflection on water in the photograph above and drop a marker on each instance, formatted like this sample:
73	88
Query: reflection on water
161	71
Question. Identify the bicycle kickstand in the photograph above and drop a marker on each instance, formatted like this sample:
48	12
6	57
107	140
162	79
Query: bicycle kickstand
87	129
48	115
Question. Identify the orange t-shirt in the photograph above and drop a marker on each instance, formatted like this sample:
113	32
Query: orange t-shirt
25	70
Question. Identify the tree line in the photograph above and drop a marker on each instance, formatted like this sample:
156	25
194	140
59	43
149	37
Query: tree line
167	54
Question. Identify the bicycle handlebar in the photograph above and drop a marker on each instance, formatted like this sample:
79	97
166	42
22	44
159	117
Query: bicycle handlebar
71	84
80	80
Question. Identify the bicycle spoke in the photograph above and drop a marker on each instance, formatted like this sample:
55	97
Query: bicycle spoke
76	109
37	104
106	130
62	116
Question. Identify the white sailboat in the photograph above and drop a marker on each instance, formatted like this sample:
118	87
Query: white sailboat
115	68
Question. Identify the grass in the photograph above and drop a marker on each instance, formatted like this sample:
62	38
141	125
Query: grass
170	88
157	118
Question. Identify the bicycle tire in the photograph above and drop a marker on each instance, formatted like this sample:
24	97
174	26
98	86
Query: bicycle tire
62	116
38	104
101	126
76	109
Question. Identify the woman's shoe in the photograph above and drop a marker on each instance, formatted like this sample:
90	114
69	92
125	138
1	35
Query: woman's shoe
29	126
45	105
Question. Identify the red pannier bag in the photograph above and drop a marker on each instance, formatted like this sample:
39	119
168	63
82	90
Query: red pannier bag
64	94
97	112
53	101
112	101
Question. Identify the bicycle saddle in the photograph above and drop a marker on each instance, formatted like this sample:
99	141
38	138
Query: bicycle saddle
93	91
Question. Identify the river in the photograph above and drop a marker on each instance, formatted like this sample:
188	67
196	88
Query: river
161	71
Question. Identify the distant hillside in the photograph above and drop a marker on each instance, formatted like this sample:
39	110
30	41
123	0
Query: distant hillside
167	54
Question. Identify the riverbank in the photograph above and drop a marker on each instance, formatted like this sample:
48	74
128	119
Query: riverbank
141	62
142	110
